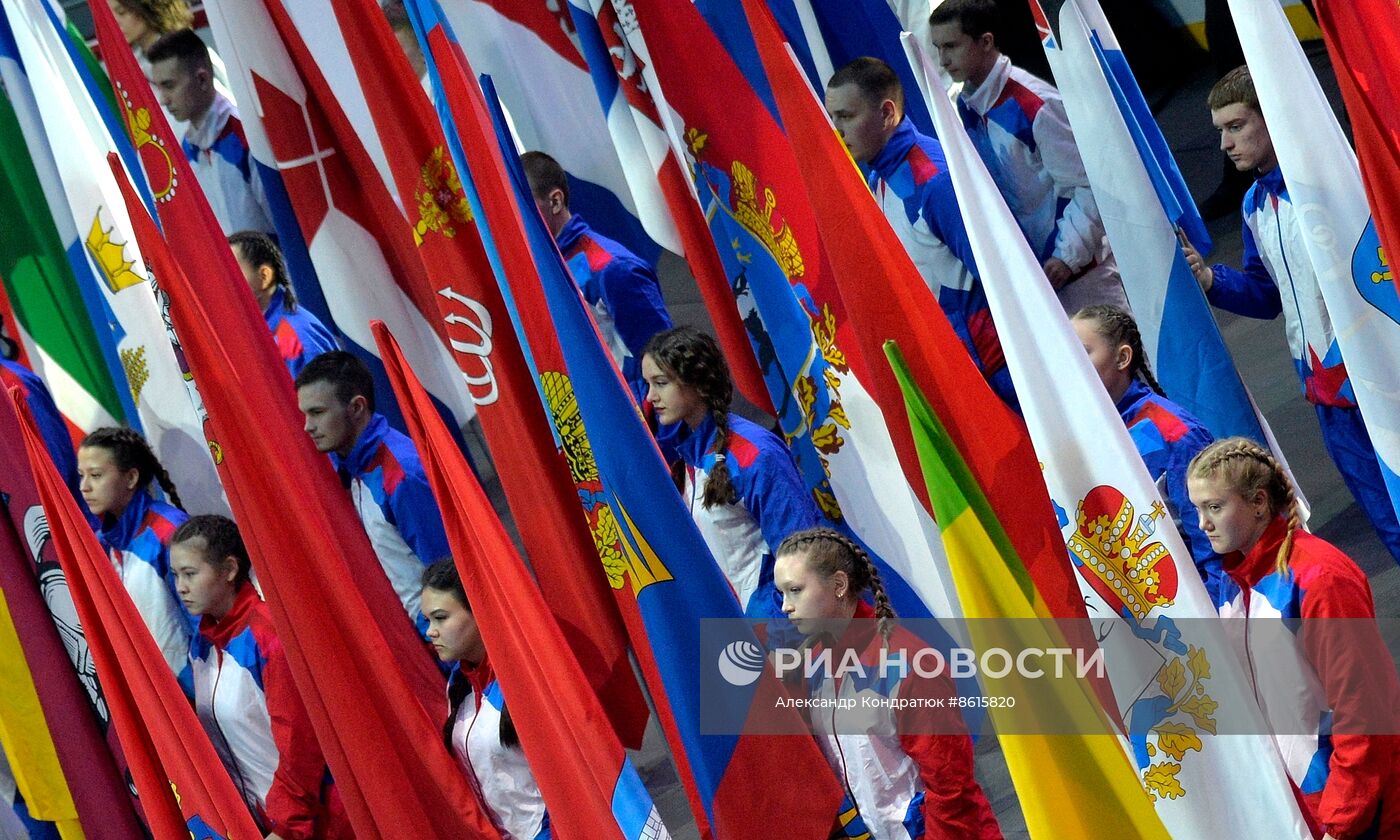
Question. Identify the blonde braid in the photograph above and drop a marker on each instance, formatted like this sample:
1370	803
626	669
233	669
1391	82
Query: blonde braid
1248	468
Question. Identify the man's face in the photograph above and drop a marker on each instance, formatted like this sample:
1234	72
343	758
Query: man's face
329	422
863	123
184	93
963	58
1244	138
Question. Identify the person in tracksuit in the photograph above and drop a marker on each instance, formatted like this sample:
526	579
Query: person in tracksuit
380	468
910	773
1019	126
299	335
1165	434
243	689
1301	616
1278	277
479	730
737	478
116	467
621	288
911	184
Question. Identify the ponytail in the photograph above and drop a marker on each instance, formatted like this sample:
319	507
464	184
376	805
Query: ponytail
1247	468
130	451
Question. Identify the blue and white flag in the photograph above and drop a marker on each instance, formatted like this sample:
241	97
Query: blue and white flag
1178	683
1324	184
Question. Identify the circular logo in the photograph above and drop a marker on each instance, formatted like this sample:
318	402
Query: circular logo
741	663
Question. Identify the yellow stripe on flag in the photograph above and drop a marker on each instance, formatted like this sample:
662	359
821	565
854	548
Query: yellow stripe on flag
1075	785
24	735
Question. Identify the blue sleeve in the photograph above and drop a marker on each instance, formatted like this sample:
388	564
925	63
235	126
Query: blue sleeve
776	498
1207	561
418	519
632	295
1251	292
940	209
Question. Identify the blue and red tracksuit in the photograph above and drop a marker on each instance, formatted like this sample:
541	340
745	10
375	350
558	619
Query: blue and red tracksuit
46	415
773	503
1320	671
218	154
1278	277
915	192
621	288
300	336
138	543
1167	438
249	705
397	508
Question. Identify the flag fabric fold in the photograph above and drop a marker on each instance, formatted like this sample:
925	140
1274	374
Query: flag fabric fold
1324	182
1137	578
584	775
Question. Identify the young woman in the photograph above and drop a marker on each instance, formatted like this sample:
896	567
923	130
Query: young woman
737	478
1320	684
1166	436
907	782
479	730
243	689
115	470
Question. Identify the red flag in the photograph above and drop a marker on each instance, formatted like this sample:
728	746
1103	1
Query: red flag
880	288
1363	38
576	758
374	696
532	470
98	790
184	787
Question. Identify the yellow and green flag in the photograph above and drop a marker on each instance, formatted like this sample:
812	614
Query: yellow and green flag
1071	773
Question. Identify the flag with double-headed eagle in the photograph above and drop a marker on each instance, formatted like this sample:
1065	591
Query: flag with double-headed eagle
1177	682
68	137
649	543
637	121
1345	252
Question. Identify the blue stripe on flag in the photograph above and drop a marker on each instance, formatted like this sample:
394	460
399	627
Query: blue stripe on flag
631	804
853	28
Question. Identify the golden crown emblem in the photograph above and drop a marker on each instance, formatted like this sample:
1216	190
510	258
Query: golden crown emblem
110	256
781	243
1119	556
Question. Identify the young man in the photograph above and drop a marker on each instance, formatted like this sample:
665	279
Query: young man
380	468
1019	126
300	335
183	76
619	285
906	172
1278	277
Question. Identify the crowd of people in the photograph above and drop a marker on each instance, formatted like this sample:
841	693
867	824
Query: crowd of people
191	580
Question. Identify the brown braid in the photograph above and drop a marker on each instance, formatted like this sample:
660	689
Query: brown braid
829	552
694	358
130	451
1118	328
1247	468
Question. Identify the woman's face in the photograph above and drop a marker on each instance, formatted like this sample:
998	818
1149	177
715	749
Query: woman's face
1229	520
673	399
105	488
452	628
204	588
133	26
809	600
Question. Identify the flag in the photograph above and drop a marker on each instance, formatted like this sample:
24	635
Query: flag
636	118
734	783
531	469
532	51
1077	784
577	761
881	287
67	144
184	787
356	236
1324	181
1183	343
1177	682
1363	38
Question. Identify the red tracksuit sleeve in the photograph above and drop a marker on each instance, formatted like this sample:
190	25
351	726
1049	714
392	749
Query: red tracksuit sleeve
1354	668
955	808
294	800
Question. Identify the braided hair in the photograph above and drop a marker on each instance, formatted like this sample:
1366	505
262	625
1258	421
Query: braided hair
694	358
829	552
258	249
1118	328
130	451
1247	468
